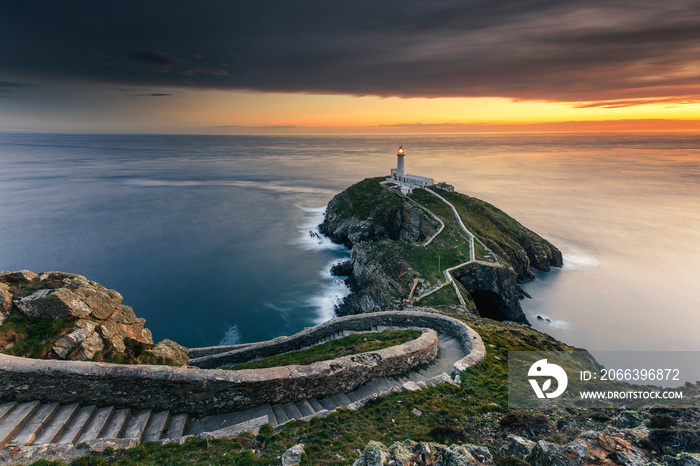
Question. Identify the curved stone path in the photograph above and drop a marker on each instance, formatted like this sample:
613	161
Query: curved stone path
36	423
450	351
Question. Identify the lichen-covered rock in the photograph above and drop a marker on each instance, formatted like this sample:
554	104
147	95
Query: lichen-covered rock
169	350
55	304
374	454
292	457
5	302
683	459
410	453
517	447
627	420
82	338
550	454
458	455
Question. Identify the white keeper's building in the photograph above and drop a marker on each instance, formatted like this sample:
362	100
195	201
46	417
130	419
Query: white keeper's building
411	181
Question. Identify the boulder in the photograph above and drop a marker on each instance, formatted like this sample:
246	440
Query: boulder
516	446
69	342
292	457
170	350
374	454
55	304
458	455
549	454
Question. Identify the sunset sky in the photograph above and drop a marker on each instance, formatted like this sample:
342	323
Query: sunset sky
355	66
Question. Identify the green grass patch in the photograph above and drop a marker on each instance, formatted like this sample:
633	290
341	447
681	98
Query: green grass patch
345	346
31	337
444	296
366	199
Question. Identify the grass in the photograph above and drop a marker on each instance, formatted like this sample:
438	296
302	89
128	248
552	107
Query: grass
365	200
444	296
450	414
345	346
31	337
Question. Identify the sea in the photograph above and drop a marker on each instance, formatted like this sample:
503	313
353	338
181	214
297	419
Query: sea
213	239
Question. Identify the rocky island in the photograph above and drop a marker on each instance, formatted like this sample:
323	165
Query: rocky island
400	239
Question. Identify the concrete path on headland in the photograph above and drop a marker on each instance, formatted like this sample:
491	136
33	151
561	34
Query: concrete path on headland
472	250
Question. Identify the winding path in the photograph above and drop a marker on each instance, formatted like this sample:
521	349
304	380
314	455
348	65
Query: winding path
472	242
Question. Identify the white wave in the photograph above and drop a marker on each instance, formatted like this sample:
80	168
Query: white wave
310	237
261	185
331	294
551	322
577	257
232	336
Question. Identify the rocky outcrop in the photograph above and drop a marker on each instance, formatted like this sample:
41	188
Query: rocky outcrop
604	448
423	453
100	322
376	280
494	290
368	212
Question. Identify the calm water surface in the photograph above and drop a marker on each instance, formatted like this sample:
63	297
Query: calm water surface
207	237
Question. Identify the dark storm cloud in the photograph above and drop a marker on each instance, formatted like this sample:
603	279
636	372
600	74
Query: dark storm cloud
590	51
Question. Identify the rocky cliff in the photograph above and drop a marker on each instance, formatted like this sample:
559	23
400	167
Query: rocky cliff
56	315
386	232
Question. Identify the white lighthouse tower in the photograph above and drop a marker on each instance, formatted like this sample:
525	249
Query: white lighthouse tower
404	180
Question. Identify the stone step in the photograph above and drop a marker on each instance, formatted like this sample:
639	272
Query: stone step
369	388
156	426
381	328
97	424
39	420
5	408
280	415
304	408
416	377
374	328
328	404
315	404
57	425
15	419
116	424
77	424
291	411
136	425
340	399
176	427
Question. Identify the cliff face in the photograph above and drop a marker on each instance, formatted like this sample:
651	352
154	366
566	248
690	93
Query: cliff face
386	230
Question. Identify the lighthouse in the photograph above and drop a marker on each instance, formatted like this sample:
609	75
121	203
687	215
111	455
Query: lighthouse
404	180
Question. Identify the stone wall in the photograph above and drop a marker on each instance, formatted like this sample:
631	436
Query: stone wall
359	322
209	391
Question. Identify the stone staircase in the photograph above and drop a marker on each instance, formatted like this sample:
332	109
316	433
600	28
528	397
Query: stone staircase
450	350
35	423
